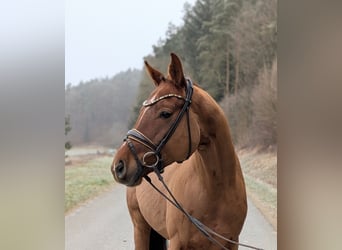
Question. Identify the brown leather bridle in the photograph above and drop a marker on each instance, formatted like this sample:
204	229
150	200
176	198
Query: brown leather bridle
155	149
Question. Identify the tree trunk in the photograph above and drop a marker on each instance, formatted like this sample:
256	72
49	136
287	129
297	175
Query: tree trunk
237	65
227	69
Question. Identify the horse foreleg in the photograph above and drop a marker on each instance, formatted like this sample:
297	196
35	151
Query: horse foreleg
141	237
141	228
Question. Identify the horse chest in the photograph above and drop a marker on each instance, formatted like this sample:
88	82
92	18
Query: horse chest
152	206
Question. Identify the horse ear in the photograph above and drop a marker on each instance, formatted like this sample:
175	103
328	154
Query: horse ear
156	76
176	71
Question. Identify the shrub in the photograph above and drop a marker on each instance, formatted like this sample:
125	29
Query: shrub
252	112
264	101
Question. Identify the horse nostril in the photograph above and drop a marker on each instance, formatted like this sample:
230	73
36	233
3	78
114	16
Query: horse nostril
120	170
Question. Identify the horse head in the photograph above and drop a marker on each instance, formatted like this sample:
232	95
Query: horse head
166	131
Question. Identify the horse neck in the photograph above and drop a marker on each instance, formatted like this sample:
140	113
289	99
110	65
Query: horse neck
216	153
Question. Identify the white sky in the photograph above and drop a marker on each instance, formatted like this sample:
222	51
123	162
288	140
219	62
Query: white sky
105	37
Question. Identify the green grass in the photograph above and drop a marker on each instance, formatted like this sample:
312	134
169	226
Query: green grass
86	180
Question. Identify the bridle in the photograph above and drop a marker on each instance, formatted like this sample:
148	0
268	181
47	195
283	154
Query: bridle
155	149
158	167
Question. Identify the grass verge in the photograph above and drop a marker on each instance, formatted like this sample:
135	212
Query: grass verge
265	193
85	180
260	172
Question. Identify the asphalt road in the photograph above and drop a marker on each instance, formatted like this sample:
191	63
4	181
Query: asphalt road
104	224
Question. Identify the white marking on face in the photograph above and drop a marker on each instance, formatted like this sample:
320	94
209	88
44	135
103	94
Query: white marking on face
145	109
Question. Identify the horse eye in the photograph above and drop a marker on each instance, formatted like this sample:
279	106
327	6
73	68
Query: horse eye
165	114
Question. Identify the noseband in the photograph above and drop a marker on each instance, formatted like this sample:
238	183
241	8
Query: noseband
139	137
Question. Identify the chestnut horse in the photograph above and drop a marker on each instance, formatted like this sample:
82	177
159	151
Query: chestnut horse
182	128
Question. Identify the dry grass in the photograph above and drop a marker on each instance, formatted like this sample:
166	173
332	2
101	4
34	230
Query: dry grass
260	171
261	166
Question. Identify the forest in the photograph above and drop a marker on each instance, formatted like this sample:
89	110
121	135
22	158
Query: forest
228	47
98	110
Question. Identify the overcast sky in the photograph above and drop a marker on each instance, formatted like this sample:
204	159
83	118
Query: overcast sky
105	37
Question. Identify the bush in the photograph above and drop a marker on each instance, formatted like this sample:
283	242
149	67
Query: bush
252	112
238	109
264	99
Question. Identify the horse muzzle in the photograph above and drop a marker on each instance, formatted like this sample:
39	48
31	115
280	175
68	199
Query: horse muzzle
120	171
126	174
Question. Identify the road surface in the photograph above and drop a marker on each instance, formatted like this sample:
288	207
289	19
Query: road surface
104	224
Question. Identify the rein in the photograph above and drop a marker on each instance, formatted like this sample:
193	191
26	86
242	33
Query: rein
158	168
